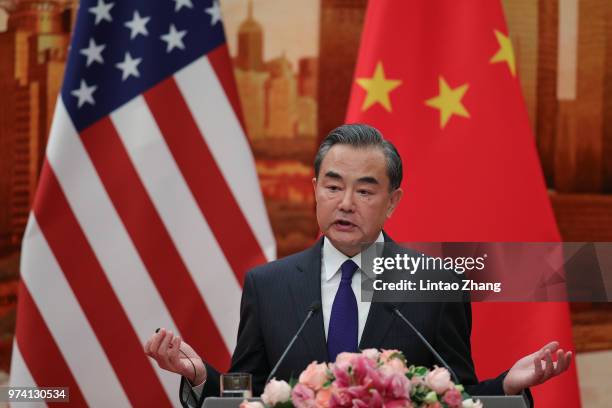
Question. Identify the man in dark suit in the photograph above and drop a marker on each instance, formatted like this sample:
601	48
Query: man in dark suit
357	187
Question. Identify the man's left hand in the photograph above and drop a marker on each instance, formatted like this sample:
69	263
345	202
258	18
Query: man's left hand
536	368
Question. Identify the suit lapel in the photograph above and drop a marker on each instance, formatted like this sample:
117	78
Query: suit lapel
377	325
379	319
306	288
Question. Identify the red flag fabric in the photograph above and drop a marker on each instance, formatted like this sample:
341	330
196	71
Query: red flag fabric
439	80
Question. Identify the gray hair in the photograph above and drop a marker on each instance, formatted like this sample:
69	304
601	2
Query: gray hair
359	136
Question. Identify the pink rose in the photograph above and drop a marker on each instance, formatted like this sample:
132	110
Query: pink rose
359	392
342	377
362	366
400	403
360	396
438	380
322	397
434	405
357	403
340	398
371	353
253	404
376	400
344	360
452	398
375	379
387	355
398	387
303	396
276	392
314	376
394	366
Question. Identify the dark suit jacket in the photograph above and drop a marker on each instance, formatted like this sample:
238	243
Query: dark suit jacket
276	298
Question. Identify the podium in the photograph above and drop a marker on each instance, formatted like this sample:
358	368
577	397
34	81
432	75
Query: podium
488	401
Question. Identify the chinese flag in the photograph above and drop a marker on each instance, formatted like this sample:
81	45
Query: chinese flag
439	79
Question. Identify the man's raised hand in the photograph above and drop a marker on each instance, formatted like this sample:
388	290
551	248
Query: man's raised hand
536	368
173	354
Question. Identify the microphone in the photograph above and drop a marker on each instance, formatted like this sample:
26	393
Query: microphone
394	309
314	308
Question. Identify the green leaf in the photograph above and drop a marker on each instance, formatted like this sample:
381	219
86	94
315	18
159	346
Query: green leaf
287	404
431	397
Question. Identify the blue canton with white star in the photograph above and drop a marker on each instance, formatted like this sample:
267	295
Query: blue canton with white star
122	48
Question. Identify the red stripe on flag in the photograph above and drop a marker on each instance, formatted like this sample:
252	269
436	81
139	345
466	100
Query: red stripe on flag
202	174
40	351
220	60
95	294
153	242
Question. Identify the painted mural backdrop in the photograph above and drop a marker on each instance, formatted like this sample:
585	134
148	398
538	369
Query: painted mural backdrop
293	64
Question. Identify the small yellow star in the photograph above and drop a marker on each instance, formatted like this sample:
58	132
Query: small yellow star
449	102
505	52
378	88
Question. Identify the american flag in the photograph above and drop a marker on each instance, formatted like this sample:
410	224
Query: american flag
148	212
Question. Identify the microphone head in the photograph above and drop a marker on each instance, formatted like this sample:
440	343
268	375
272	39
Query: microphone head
391	307
315	306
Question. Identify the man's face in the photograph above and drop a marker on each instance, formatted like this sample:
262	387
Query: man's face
353	197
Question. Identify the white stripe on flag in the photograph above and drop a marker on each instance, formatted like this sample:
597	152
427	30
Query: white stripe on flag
21	376
227	142
181	215
107	236
67	322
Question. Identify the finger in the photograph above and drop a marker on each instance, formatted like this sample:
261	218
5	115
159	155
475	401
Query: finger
568	357
173	350
548	366
552	346
561	364
537	364
156	341
163	347
147	346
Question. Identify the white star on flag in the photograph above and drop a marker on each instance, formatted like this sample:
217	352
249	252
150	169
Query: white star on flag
102	11
174	38
85	93
93	52
137	25
182	3
129	66
215	13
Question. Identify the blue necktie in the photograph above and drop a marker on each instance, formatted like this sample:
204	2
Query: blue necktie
343	325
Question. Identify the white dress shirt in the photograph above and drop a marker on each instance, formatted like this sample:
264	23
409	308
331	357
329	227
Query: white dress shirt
331	260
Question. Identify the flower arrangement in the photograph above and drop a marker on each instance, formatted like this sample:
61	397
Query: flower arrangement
370	379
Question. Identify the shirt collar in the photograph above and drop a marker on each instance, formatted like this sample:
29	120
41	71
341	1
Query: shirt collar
333	258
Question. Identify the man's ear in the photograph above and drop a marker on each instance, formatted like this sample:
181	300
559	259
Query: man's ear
314	187
396	196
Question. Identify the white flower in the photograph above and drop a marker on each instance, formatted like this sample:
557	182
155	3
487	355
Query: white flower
471	403
252	404
371	353
276	392
438	380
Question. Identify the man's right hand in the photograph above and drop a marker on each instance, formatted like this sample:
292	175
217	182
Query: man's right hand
173	354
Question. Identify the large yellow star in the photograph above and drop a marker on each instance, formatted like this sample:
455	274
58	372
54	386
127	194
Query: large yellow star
449	102
378	88
505	52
